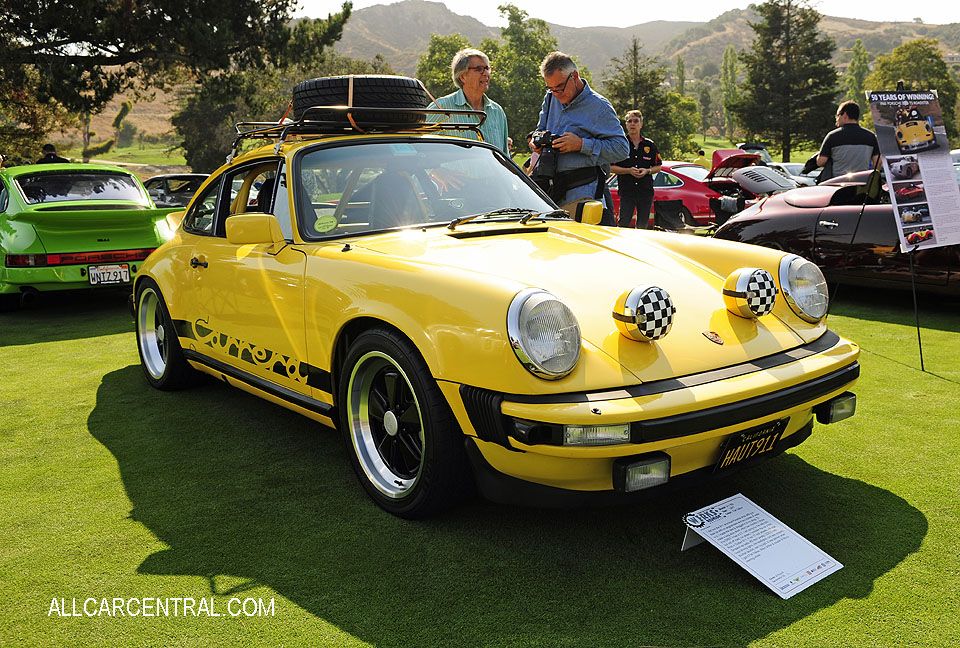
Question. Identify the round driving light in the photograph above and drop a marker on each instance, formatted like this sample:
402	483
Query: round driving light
750	292
804	288
544	334
644	313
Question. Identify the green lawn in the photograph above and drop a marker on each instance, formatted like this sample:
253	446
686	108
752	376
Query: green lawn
111	489
149	154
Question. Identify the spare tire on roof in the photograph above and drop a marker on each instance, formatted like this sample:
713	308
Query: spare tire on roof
369	91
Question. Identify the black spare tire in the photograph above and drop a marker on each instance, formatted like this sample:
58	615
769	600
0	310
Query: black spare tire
369	91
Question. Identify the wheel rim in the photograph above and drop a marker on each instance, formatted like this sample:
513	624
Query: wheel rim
386	424
152	334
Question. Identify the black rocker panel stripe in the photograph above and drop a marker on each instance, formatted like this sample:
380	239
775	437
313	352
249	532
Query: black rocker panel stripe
263	385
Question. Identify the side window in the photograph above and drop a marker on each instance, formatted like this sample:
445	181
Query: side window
281	205
199	220
3	197
664	179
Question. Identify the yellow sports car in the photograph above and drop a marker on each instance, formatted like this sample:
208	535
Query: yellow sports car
417	292
914	133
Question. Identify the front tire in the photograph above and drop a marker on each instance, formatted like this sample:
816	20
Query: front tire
404	442
160	354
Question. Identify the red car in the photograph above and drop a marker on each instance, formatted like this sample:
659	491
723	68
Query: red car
910	192
695	185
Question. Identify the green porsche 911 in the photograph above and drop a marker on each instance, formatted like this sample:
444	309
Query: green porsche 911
73	226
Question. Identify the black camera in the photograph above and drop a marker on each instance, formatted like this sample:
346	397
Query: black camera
543	139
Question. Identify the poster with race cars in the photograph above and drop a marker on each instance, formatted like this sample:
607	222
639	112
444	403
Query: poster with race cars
919	171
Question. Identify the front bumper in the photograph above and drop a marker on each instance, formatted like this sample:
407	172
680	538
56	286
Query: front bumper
687	418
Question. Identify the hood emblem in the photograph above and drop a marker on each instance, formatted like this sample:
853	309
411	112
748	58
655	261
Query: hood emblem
713	337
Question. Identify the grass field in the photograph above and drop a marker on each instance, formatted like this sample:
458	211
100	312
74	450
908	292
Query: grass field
154	155
111	489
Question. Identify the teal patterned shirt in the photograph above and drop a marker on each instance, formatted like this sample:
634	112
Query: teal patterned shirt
494	128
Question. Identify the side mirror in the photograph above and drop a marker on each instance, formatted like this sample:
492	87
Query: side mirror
254	229
589	212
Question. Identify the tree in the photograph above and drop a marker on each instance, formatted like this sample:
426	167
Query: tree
921	67
635	81
857	73
433	67
790	90
125	108
681	74
706	109
516	83
25	120
728	89
80	56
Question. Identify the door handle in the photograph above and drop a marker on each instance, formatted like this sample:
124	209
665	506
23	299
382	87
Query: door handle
194	262
830	224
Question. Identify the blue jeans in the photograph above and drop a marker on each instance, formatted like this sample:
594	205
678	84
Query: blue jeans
641	203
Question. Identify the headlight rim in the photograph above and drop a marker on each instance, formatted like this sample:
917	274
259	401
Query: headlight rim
516	340
786	289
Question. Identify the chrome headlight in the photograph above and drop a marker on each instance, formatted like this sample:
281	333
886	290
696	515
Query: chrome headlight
804	287
543	333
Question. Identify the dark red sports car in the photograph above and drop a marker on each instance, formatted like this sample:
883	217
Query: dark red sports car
852	242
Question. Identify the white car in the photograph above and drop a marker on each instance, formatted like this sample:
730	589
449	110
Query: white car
794	171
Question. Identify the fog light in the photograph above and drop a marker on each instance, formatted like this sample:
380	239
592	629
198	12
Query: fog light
594	435
644	471
836	409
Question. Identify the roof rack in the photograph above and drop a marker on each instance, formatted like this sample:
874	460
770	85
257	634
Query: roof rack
368	123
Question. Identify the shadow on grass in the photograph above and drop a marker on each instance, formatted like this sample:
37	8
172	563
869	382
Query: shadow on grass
248	494
75	315
895	307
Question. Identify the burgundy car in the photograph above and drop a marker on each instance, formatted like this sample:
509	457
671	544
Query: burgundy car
852	243
696	185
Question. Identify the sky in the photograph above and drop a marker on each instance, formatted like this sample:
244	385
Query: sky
616	13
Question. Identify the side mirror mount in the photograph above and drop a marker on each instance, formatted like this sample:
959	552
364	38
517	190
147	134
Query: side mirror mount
255	229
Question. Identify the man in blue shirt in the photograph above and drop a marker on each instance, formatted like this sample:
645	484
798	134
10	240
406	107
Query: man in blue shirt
589	137
470	70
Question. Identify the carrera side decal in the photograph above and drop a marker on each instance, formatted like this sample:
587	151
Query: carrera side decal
282	365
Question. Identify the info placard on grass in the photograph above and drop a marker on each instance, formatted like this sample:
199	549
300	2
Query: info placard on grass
775	554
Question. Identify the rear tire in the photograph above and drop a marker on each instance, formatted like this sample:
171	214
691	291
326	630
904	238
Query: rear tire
404	442
369	91
160	354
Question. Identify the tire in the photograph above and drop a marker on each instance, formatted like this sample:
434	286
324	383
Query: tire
687	218
404	443
369	91
160	354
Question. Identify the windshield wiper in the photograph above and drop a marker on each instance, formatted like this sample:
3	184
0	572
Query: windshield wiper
496	212
555	212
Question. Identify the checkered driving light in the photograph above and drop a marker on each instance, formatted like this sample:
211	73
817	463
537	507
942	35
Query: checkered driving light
644	313
750	292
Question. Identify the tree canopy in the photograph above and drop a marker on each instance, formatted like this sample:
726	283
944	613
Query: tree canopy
791	85
920	66
635	81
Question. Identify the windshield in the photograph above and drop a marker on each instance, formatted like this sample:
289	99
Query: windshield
368	186
60	186
694	171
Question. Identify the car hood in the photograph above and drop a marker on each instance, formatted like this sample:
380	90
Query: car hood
590	267
726	161
78	227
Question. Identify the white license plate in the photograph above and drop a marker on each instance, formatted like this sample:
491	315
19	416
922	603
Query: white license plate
109	274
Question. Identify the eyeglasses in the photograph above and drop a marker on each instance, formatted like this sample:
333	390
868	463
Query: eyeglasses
480	68
631	121
562	88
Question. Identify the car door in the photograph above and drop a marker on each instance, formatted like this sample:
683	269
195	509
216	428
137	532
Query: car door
866	250
246	301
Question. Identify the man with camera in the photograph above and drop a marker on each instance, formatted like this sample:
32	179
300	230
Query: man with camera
578	137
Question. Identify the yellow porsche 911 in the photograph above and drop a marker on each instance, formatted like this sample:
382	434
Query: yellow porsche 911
419	293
